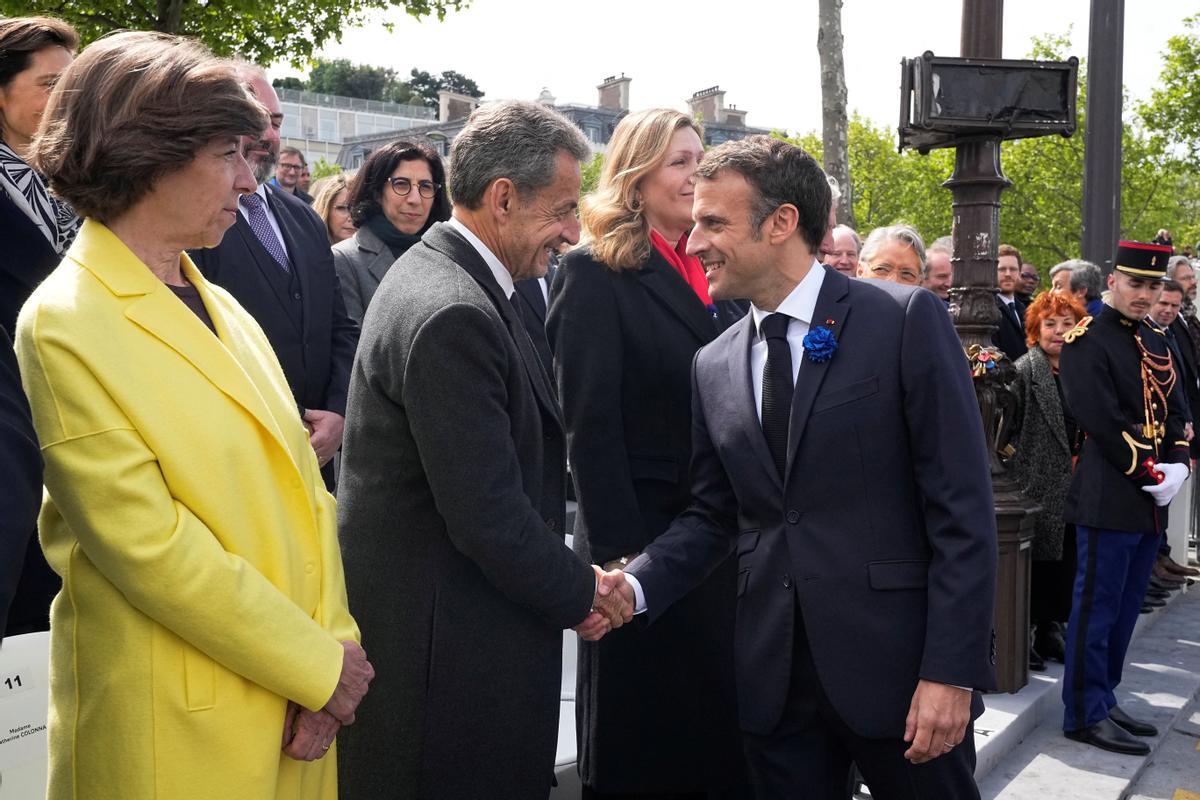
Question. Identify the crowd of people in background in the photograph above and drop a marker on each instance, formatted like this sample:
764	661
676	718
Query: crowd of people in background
208	353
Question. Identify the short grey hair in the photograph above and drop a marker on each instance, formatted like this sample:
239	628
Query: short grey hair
942	244
897	233
853	234
1173	264
511	139
1084	275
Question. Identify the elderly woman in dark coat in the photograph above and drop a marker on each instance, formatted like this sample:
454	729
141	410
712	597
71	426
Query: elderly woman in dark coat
1046	440
396	196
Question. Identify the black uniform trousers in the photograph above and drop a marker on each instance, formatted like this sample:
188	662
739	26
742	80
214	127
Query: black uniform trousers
1112	573
809	754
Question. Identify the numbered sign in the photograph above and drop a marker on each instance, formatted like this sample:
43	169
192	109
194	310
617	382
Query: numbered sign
24	698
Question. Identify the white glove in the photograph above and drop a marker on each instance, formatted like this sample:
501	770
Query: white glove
1173	477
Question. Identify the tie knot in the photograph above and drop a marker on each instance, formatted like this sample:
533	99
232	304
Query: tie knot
251	200
775	326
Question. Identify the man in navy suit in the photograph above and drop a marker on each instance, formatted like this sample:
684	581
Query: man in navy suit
1010	331
837	445
277	263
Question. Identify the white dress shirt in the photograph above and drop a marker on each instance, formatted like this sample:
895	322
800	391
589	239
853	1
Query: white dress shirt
800	304
499	271
261	191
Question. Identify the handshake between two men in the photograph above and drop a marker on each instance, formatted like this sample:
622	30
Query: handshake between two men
612	606
308	735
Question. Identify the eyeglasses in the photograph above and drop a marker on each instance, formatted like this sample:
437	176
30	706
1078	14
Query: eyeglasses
342	208
402	186
289	167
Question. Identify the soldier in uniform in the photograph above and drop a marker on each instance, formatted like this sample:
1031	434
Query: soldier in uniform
1122	387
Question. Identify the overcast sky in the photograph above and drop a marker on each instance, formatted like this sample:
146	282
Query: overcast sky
761	52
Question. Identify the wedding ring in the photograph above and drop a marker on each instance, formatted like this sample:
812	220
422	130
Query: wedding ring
948	745
325	747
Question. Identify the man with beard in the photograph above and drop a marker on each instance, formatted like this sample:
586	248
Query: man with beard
1126	395
277	263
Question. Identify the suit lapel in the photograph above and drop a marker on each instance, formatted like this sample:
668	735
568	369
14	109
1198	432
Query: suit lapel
450	243
381	260
740	342
292	241
665	284
830	312
1046	394
152	307
264	262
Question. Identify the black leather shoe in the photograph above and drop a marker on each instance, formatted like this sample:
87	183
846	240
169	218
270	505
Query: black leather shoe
1134	726
1107	736
1160	594
1145	609
1153	602
1036	662
1050	643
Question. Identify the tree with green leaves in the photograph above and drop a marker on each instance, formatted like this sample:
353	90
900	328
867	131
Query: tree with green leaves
427	86
1042	214
261	32
340	77
1173	111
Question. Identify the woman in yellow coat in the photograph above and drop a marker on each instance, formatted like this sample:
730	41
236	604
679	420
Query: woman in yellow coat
201	646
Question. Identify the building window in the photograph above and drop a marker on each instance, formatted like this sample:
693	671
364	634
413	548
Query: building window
593	133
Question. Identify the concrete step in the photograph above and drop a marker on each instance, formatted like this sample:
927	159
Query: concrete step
1022	752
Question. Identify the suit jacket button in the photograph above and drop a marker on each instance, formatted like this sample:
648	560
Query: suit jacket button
793	517
295	295
787	581
552	524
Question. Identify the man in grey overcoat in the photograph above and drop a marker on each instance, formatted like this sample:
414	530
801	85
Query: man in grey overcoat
452	498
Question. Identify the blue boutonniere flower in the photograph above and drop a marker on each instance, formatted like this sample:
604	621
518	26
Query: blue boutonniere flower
820	344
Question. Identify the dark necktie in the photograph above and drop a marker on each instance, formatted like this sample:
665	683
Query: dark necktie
262	229
777	388
1013	315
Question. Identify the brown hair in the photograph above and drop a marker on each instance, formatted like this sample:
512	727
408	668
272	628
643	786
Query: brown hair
612	220
21	37
780	174
132	108
1009	250
371	181
1049	304
325	191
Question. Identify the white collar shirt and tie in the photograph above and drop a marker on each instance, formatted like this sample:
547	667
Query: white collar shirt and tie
250	208
800	305
499	272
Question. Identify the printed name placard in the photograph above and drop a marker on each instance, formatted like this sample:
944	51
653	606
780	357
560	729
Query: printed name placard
24	700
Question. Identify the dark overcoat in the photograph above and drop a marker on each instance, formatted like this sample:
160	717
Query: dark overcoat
22	565
655	706
1042	461
452	505
361	262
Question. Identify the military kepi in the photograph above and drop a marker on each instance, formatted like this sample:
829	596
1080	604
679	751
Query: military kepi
1143	260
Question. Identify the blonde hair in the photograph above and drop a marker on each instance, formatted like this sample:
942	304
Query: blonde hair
611	216
325	191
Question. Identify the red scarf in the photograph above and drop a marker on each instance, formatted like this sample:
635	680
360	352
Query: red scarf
688	267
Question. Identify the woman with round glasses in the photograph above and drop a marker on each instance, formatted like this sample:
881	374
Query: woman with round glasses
395	197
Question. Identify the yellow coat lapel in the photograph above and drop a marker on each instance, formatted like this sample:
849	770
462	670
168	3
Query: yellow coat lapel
155	309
